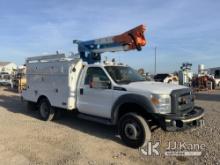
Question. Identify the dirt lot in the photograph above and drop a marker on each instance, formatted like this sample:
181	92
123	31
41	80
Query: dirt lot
25	139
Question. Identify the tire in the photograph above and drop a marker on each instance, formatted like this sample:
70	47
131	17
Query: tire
46	111
31	106
134	130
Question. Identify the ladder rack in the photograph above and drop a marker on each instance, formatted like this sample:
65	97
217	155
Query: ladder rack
46	58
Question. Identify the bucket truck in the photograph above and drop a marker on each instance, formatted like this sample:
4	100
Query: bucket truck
109	93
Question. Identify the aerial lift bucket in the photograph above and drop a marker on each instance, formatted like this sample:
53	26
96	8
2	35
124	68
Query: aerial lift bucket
91	50
134	38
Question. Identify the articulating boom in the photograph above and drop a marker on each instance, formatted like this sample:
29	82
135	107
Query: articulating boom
90	51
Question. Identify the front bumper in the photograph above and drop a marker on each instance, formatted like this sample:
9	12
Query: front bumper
178	122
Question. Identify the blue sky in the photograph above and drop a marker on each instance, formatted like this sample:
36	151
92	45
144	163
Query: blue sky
187	30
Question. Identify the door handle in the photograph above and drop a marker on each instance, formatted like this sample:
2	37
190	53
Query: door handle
81	91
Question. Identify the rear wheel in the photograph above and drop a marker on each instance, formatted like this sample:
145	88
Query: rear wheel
134	130
46	111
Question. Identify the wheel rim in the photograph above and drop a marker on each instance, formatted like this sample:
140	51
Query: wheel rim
44	110
132	130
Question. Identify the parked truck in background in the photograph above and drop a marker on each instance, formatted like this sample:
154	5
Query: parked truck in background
5	79
215	72
108	92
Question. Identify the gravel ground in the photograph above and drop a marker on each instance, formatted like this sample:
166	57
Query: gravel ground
25	139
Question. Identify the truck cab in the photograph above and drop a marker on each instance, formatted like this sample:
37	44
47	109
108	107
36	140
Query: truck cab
103	85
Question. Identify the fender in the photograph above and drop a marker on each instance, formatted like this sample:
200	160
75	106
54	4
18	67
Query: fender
140	100
42	97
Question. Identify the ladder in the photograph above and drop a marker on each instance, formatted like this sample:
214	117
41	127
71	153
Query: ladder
45	58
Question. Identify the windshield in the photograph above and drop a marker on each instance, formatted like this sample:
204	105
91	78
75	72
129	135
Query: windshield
123	74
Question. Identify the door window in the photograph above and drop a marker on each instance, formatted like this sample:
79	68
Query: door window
95	73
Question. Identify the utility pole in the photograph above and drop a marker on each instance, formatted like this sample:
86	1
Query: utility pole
155	60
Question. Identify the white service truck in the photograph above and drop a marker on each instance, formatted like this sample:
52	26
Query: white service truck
109	93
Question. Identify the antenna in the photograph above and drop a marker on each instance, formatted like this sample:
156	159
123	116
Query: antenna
155	60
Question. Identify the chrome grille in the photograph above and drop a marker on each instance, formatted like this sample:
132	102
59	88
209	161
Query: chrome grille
181	100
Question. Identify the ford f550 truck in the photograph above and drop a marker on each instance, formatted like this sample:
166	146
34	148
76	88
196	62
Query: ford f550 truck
108	92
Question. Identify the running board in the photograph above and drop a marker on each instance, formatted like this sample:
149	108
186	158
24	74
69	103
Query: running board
95	119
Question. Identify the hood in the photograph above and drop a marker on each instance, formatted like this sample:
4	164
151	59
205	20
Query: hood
153	87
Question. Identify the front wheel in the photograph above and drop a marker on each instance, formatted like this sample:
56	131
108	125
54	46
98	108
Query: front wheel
134	130
46	111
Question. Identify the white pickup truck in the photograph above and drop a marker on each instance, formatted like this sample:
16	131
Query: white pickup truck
109	93
5	78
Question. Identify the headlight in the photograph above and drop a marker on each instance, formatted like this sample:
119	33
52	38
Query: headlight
162	103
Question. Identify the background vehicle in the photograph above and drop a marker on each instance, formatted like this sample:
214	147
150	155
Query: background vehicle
185	74
204	80
216	74
5	78
166	78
